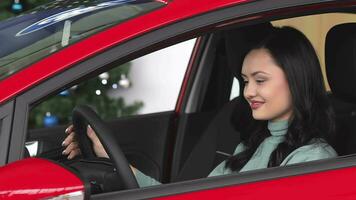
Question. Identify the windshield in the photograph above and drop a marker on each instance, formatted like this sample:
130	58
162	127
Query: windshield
34	35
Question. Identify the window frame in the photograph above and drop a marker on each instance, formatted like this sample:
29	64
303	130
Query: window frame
6	117
82	71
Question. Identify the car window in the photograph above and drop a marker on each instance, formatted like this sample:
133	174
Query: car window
235	89
148	84
58	24
136	100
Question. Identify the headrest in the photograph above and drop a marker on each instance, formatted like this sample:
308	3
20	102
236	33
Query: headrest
340	61
239	41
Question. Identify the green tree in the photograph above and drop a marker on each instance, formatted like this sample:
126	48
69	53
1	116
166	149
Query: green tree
61	105
7	12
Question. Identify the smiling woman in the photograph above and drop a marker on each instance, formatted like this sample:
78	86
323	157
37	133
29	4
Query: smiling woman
266	87
284	88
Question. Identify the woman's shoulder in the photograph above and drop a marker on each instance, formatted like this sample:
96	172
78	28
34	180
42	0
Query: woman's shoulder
240	148
316	149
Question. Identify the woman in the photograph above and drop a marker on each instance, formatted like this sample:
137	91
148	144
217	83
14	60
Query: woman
292	116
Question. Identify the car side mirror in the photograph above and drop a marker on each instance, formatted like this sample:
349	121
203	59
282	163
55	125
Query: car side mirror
36	178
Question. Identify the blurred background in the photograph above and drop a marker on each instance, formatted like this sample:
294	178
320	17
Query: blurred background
9	8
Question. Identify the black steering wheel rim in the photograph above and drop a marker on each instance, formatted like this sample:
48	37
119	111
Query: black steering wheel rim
83	115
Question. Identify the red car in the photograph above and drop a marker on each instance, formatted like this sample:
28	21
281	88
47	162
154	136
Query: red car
161	75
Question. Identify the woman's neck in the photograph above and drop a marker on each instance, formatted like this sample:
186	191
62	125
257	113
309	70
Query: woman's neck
278	128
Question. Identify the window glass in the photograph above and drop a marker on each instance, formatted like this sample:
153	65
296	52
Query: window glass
147	84
235	89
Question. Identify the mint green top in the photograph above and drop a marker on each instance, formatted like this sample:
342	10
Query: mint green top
315	150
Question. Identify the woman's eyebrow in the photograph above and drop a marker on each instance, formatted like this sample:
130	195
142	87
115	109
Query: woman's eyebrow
255	73
259	72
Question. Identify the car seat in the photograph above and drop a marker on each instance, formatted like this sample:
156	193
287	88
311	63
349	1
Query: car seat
340	61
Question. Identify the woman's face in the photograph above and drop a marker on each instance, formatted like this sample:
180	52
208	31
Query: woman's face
266	87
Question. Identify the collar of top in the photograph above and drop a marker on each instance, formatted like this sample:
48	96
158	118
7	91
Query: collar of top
278	128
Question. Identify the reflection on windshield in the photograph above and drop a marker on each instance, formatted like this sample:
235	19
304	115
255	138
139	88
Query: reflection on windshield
32	36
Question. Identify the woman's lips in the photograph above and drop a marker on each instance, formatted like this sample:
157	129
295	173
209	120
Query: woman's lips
256	104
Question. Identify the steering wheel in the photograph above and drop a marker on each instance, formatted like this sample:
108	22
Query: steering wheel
83	115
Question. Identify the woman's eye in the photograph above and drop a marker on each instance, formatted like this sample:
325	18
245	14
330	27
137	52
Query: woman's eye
260	81
245	82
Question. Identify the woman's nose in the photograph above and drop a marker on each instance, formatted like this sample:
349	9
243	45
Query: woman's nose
249	90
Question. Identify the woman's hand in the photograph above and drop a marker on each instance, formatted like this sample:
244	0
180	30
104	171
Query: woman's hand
72	148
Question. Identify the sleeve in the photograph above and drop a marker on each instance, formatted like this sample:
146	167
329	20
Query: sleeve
143	180
310	153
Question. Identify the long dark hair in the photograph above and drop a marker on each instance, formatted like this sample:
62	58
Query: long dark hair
312	117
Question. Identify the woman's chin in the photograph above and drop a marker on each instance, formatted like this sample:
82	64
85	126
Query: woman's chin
259	116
